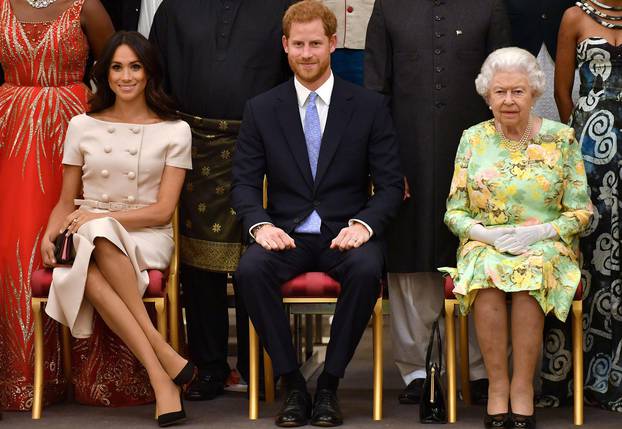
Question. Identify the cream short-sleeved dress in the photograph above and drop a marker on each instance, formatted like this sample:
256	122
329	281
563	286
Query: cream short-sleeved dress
120	163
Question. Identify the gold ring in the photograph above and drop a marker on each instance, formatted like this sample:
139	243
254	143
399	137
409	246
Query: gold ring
75	219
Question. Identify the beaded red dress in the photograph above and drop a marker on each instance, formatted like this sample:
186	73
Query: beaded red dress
44	65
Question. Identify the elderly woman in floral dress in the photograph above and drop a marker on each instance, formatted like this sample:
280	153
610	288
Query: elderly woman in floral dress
518	201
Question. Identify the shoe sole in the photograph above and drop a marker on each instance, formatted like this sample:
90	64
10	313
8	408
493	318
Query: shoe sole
172	423
326	424
290	424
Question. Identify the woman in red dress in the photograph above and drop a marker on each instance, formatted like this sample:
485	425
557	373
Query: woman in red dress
44	46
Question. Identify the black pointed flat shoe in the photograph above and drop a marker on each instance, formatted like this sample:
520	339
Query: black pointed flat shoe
497	420
186	374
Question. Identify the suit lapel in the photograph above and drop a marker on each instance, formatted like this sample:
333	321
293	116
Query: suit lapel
289	120
339	114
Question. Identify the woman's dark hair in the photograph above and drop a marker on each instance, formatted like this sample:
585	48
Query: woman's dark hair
157	100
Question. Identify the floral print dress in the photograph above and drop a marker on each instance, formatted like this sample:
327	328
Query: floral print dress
497	187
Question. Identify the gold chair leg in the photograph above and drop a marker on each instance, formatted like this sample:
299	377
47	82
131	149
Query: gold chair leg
37	403
253	364
378	358
450	359
577	360
464	358
160	307
268	375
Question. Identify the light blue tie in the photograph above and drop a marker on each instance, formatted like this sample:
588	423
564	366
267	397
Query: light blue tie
313	137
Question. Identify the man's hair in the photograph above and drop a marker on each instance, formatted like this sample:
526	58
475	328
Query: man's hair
307	11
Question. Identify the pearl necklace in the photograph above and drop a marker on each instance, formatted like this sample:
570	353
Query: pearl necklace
514	145
40	4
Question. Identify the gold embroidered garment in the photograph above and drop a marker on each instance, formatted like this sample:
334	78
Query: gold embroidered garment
211	236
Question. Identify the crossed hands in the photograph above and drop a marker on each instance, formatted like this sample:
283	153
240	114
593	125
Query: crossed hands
513	240
72	222
272	238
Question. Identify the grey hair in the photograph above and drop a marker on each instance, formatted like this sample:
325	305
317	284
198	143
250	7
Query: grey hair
510	60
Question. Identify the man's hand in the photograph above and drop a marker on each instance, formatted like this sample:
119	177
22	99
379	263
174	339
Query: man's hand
350	237
272	238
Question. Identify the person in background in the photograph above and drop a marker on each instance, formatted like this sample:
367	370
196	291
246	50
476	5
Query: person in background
352	19
535	24
425	55
518	202
43	53
124	166
148	10
216	54
590	36
319	141
124	13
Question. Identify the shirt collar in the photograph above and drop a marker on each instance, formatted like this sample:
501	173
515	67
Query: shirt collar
324	91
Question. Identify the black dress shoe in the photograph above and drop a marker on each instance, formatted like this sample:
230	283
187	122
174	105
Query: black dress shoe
296	409
326	411
497	420
205	387
479	391
186	374
523	422
412	393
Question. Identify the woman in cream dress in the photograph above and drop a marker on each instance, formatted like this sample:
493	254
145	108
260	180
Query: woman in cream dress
124	165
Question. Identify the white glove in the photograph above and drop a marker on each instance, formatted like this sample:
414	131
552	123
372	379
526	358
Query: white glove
479	232
518	241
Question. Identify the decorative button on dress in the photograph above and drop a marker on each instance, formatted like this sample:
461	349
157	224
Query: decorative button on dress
116	176
497	187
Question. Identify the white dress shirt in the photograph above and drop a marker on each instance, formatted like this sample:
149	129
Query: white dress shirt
322	103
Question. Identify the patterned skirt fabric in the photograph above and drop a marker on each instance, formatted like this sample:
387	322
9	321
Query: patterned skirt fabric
597	120
211	236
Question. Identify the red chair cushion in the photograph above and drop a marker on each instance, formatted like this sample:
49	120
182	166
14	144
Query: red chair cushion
42	280
448	284
311	285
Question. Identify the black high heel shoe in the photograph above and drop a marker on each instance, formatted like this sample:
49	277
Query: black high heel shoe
497	420
174	417
523	422
186	374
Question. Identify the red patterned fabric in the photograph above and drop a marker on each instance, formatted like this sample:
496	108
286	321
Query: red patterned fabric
448	284
42	280
311	285
43	67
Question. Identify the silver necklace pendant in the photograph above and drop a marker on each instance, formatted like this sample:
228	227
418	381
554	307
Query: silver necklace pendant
40	4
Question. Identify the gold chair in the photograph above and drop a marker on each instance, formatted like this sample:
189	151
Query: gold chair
314	291
450	352
162	291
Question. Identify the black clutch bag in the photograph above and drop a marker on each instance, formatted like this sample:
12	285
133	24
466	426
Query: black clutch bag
63	249
432	408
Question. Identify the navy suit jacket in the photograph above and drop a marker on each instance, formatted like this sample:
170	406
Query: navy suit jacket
358	143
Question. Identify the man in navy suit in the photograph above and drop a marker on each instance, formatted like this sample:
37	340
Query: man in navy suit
319	140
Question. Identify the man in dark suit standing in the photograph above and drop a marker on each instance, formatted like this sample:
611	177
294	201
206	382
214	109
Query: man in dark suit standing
318	139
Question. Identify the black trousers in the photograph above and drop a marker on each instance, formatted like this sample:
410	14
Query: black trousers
207	318
261	273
